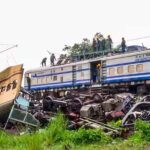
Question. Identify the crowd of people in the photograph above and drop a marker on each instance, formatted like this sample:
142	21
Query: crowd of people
99	44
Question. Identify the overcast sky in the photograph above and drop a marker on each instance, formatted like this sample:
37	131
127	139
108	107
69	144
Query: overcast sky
41	25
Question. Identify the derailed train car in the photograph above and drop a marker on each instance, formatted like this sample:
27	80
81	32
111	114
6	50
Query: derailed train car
130	69
14	107
10	85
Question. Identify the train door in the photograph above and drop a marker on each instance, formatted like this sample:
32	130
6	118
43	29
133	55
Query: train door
74	75
96	72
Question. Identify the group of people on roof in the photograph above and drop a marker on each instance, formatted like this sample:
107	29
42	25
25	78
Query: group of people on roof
100	43
52	60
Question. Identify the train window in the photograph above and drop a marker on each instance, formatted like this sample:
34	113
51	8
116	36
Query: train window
61	68
34	81
53	70
54	78
139	68
111	71
48	79
43	80
38	81
80	67
131	69
61	79
120	70
82	74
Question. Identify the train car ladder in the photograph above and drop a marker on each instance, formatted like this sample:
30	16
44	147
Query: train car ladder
104	70
74	75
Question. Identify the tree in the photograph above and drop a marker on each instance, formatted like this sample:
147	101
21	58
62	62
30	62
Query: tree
77	48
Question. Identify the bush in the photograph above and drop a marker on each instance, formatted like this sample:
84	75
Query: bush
87	136
55	134
55	131
143	129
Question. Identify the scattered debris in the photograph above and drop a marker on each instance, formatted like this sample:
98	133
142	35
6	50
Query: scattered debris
140	110
82	110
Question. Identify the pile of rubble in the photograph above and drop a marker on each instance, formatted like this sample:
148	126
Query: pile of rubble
92	110
95	110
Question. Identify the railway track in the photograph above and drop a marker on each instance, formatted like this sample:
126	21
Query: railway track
96	124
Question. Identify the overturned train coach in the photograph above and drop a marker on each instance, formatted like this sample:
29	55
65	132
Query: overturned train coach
10	85
130	69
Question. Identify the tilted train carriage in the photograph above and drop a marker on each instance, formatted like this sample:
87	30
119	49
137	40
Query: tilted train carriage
129	69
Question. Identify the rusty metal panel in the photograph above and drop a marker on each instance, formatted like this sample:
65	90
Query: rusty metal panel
10	85
10	76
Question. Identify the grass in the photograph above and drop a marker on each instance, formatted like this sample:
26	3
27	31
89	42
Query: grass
57	137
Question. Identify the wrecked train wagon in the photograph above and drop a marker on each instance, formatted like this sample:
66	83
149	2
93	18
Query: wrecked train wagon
10	85
125	71
129	70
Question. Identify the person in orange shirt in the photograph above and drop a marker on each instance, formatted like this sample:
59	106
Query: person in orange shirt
98	72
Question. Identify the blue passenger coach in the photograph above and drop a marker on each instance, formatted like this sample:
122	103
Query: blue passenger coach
130	68
62	76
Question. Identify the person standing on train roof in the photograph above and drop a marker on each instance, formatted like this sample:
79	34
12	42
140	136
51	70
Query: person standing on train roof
103	43
94	45
85	47
109	40
100	42
96	37
44	61
123	45
52	59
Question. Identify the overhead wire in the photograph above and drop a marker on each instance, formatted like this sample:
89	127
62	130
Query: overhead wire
139	38
9	48
134	39
7	54
6	44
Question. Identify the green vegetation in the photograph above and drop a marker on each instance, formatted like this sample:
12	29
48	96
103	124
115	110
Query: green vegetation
77	48
57	137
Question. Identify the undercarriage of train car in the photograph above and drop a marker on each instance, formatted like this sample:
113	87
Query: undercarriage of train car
92	110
